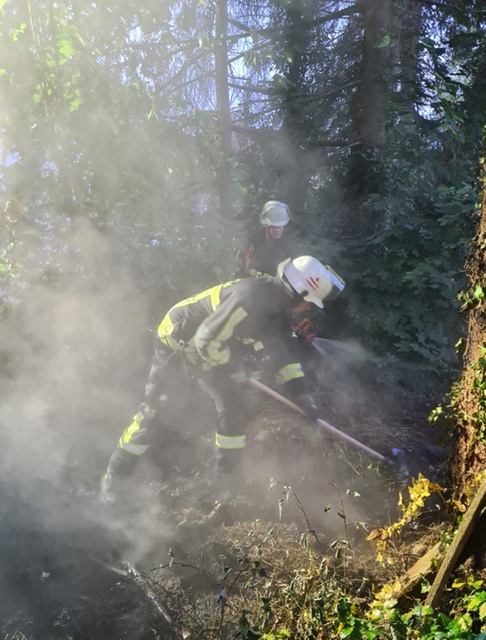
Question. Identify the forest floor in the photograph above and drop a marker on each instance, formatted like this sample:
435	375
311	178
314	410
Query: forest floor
176	559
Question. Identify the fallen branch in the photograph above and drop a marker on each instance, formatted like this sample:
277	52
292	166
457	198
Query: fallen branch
143	583
424	566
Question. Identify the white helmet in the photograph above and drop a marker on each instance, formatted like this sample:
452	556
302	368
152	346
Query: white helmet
310	279
275	214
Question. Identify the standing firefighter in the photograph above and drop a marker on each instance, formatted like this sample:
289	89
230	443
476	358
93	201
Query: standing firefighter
204	336
267	248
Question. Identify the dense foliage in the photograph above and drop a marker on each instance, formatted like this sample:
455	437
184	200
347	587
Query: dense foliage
366	117
367	124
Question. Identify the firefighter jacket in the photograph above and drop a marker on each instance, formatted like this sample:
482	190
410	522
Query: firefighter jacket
212	328
263	255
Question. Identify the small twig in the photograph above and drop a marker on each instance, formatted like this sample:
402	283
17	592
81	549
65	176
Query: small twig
173	563
344	459
300	506
184	630
342	514
140	580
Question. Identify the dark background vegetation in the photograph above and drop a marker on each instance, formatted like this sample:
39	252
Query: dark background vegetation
138	142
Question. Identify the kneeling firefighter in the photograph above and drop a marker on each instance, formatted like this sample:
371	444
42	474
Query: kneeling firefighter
202	335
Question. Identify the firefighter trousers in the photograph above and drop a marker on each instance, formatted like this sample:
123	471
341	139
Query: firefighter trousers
170	386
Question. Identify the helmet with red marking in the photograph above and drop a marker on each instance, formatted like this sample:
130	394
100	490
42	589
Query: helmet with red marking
310	279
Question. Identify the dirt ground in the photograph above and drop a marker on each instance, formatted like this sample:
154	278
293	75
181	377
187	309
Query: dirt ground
157	565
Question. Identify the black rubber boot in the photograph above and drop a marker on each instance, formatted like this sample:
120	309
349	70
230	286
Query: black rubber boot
107	495
121	464
228	471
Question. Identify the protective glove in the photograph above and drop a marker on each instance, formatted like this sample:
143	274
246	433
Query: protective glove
304	331
307	402
239	376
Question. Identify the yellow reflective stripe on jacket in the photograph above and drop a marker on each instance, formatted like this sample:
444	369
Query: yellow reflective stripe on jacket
214	294
290	372
215	297
230	442
166	327
218	353
259	274
124	442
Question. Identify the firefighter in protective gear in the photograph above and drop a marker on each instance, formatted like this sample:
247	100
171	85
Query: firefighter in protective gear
267	250
268	247
205	334
311	279
275	214
299	273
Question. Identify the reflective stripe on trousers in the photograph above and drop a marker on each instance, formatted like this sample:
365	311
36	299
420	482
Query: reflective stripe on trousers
230	442
289	372
229	402
131	433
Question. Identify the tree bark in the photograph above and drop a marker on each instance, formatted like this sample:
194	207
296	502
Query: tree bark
365	173
369	112
469	458
296	36
224	111
409	29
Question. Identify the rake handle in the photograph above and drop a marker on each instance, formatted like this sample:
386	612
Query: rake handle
322	423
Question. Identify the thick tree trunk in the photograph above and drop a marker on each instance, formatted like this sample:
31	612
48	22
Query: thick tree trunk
369	113
296	36
409	30
469	459
365	174
223	105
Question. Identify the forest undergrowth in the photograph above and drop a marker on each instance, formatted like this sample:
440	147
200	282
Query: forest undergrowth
313	544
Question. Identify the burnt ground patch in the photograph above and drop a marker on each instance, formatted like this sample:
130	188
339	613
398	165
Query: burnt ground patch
158	565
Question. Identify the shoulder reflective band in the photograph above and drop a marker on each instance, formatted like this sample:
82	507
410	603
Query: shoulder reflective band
259	274
214	294
165	329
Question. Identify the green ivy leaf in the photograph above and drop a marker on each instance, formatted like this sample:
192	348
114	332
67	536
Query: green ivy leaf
74	104
475	601
482	611
65	49
478	292
18	31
